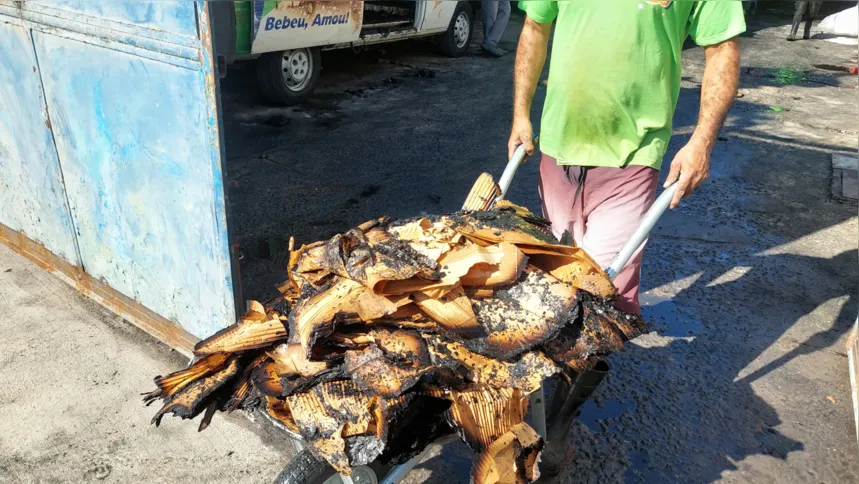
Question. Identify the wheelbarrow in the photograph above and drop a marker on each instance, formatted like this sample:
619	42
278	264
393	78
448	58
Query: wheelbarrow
306	468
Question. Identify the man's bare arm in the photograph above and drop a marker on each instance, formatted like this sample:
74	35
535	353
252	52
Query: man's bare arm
530	58
691	165
719	88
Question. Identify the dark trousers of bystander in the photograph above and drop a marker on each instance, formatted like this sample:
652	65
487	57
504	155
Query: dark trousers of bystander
496	14
805	9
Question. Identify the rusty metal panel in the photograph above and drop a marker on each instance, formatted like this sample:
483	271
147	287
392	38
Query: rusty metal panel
130	90
171	17
144	193
138	40
152	323
32	199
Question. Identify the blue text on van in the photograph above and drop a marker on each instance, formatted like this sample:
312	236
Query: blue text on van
272	23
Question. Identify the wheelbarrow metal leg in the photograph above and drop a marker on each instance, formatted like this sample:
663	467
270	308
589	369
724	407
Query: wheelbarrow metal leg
538	411
399	473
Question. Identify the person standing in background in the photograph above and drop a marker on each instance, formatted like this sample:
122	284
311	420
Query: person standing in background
496	13
807	9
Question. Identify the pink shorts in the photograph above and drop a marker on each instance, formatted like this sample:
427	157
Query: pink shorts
602	215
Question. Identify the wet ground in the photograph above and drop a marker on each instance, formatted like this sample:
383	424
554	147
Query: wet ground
750	286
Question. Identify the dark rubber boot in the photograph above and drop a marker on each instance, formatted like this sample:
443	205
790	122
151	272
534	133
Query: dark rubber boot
566	402
813	8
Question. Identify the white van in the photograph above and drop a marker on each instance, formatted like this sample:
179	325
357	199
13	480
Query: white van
286	36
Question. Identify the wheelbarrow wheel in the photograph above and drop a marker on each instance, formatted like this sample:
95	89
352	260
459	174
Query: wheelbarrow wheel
306	468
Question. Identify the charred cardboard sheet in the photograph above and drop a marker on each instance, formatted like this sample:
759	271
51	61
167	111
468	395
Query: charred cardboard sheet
396	332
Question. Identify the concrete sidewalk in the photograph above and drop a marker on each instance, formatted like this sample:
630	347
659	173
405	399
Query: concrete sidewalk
70	378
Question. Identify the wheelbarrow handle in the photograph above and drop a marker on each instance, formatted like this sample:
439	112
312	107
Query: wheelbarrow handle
656	210
510	170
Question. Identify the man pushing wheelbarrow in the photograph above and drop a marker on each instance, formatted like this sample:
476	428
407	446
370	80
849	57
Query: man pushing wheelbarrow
400	333
614	81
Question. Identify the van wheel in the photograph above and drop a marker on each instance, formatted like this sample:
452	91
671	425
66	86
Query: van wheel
454	42
290	76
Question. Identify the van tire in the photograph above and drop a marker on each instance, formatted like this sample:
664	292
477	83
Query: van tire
455	41
289	87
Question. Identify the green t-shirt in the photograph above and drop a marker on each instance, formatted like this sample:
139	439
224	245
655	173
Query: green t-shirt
614	74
